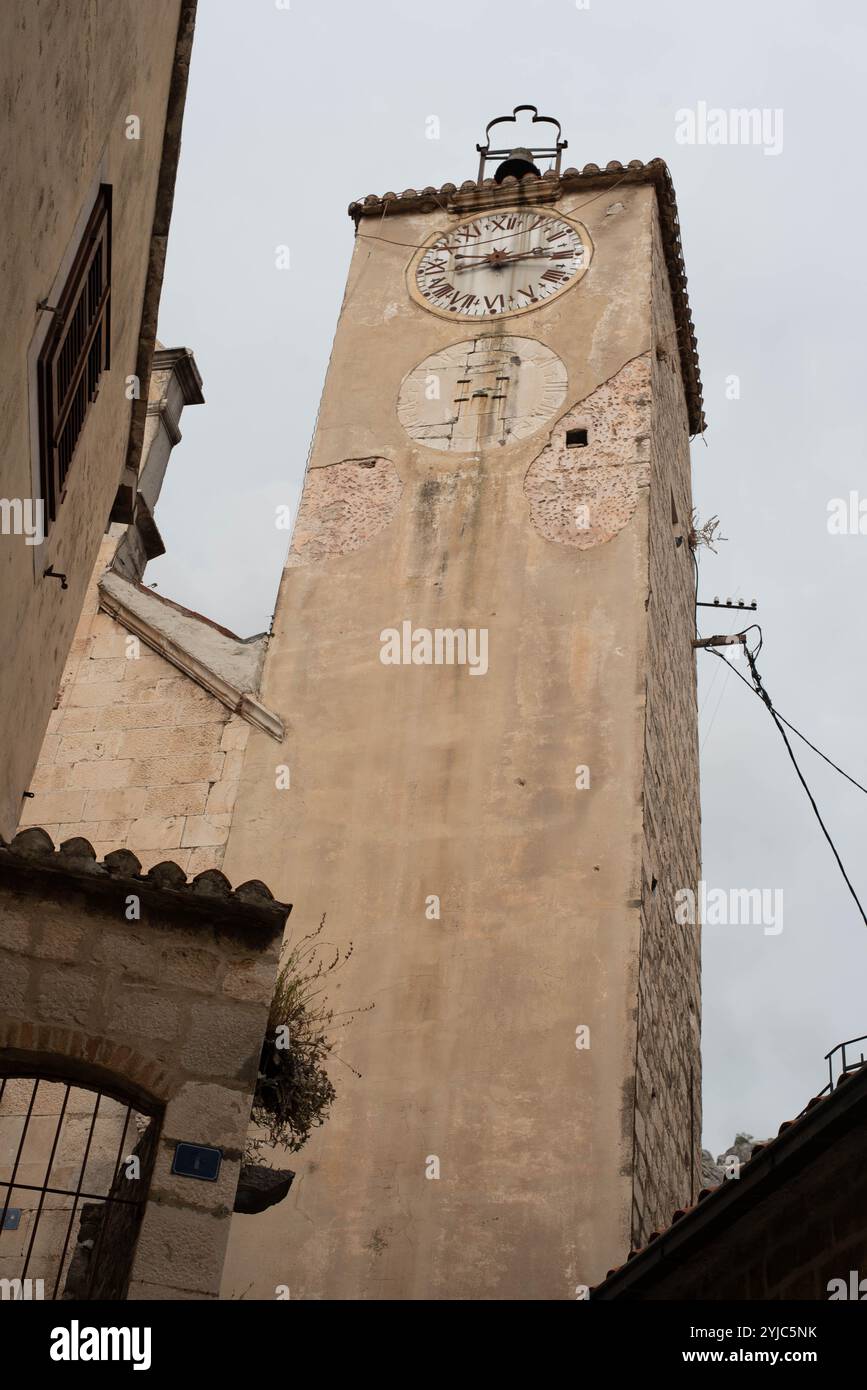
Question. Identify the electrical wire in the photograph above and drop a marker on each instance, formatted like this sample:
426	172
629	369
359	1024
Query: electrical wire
759	689
716	711
802	737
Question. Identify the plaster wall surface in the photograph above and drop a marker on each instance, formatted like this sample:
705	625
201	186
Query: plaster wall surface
72	73
414	781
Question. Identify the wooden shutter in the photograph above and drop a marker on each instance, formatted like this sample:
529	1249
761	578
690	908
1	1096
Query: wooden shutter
75	354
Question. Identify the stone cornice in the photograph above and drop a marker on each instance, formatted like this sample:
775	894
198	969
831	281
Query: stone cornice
168	418
183	364
144	615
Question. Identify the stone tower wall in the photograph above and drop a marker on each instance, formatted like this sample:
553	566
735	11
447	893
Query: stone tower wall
668	1062
410	782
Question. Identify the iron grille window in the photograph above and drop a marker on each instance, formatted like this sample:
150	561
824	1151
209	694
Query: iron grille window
75	354
71	1202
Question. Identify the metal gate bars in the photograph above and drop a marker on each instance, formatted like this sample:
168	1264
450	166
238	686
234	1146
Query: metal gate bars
70	1154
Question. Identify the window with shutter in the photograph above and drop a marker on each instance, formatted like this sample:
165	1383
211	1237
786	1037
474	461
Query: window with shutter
75	354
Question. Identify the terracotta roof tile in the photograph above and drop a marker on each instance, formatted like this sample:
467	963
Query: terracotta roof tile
684	1213
77	855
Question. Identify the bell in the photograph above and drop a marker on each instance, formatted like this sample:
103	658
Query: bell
519	163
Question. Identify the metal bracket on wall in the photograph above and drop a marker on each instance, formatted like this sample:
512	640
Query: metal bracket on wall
731	641
729	603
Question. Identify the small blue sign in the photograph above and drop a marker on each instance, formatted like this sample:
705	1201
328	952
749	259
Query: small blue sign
11	1219
197	1161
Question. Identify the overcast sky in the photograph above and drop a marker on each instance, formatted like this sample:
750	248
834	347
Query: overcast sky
293	113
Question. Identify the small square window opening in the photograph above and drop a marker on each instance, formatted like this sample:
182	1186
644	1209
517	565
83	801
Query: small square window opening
576	439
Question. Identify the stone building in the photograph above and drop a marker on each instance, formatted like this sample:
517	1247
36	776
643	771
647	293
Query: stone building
482	653
502	511
497	503
119	1037
156	703
469	741
133	1009
93	98
134	991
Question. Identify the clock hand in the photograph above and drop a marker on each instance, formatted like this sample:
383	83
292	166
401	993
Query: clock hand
508	258
496	255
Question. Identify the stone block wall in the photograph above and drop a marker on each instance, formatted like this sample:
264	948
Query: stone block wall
137	755
79	71
166	1012
667	1140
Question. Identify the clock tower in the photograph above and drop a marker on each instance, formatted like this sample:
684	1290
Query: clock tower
482	654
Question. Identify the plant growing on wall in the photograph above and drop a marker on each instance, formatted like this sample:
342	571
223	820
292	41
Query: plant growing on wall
294	1091
707	534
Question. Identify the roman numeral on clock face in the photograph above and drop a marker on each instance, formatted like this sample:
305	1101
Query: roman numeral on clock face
465	234
444	291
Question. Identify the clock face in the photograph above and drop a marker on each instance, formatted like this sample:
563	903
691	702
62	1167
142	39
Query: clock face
490	391
501	263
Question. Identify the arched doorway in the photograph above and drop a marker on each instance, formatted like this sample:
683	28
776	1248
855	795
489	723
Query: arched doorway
75	1168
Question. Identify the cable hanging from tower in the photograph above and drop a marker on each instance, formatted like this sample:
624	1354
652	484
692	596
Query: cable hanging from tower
758	689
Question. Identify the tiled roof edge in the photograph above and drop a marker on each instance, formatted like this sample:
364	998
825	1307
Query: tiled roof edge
713	1201
209	893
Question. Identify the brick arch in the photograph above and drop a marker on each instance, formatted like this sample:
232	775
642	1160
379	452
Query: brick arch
67	1054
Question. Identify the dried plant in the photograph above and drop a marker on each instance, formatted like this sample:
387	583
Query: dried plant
293	1090
705	534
